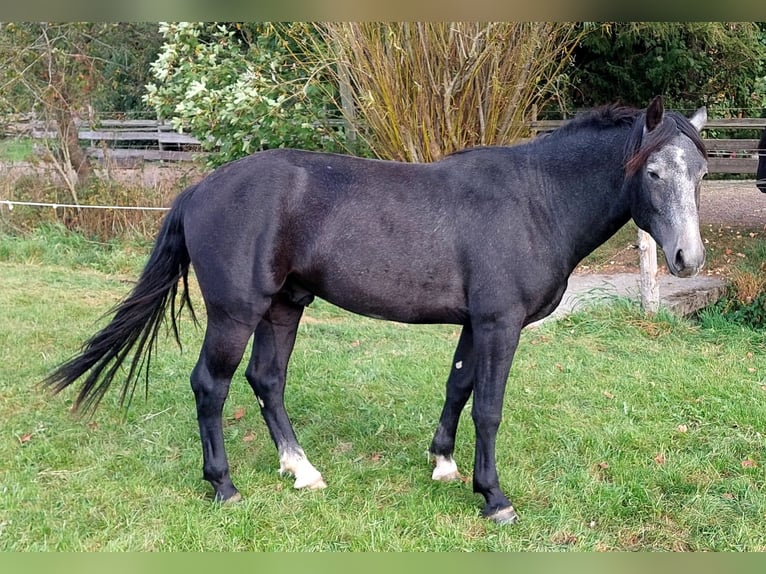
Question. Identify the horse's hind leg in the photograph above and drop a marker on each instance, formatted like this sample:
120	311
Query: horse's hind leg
272	345
222	350
459	387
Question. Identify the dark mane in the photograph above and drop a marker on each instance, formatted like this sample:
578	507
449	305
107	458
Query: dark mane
636	154
601	118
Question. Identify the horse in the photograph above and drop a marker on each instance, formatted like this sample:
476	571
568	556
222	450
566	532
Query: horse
760	174
484	238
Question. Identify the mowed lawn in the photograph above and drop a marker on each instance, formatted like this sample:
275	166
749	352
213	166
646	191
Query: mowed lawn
620	432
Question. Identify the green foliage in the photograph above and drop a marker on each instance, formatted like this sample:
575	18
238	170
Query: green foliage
46	65
719	64
15	149
126	57
730	309
54	244
238	88
82	65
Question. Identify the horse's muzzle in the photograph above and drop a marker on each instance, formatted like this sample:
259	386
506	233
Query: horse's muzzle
687	263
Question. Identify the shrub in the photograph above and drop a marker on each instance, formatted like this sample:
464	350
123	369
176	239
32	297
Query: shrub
240	88
422	90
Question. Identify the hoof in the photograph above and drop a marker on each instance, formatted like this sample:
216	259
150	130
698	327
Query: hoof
230	499
306	476
505	515
445	469
445	477
311	483
233	499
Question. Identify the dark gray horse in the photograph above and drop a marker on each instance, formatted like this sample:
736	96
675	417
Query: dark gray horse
485	238
760	174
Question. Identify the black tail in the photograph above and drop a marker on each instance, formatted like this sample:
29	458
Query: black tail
136	320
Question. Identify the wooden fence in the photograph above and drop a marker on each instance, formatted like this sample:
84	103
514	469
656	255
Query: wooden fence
129	140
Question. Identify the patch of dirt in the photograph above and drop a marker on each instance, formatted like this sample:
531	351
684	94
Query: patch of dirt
733	204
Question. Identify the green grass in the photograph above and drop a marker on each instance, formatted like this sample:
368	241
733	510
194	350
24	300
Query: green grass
15	149
621	432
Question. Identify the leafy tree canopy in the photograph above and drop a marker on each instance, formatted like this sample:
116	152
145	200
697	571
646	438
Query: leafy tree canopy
719	64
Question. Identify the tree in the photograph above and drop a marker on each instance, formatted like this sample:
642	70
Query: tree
125	68
718	64
425	89
412	91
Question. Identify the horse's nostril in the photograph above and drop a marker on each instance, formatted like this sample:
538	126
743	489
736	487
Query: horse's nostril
680	262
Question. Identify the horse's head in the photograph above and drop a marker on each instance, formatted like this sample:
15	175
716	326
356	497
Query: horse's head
666	167
760	175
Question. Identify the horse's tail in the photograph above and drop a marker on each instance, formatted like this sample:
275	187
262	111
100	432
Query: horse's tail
136	322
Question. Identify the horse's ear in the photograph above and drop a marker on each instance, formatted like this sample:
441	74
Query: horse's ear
699	119
654	113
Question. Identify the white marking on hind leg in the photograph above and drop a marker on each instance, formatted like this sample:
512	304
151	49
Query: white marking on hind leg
296	464
445	469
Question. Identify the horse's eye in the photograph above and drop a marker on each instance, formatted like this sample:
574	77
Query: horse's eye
653	174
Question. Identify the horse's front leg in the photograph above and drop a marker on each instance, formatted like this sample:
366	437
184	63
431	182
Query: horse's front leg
495	343
459	387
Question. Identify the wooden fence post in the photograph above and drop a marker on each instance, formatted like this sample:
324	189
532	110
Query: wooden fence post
648	285
348	107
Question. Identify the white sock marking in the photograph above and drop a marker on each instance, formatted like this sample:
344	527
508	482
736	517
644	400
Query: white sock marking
445	469
306	476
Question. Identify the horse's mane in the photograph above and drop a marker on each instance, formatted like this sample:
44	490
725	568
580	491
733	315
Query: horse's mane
617	115
600	118
636	154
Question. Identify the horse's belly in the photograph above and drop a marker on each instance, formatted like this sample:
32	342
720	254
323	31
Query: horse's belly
403	298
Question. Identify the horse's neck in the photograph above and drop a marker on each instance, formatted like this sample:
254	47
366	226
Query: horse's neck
594	200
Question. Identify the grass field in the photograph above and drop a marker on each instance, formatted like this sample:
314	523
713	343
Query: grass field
16	149
621	432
